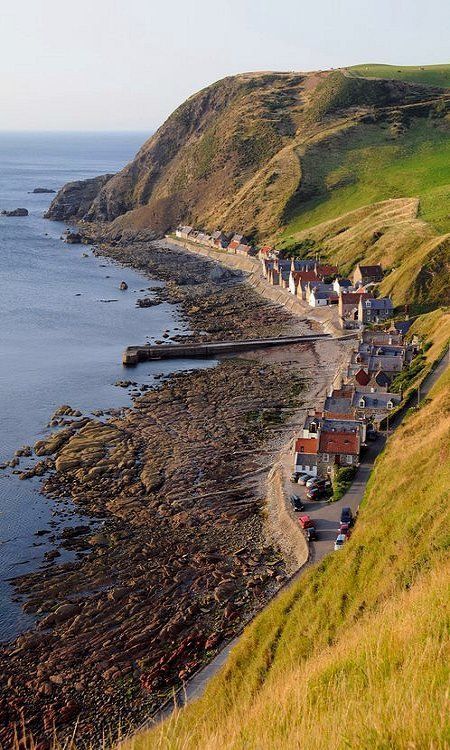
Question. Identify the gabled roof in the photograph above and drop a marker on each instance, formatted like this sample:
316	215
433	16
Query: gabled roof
362	377
383	303
339	442
371	271
353	298
344	282
305	276
326	270
306	445
375	400
380	378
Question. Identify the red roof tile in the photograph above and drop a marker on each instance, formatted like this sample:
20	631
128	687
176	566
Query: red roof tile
362	377
339	442
306	445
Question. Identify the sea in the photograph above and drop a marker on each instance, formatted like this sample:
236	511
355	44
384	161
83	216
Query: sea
64	323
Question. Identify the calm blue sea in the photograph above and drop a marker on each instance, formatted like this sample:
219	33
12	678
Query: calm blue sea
59	341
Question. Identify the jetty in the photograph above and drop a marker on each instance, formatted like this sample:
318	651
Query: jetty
134	354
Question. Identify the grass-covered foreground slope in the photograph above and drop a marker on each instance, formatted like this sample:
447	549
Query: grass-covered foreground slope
433	75
355	653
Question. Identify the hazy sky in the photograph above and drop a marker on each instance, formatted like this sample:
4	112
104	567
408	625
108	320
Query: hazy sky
125	64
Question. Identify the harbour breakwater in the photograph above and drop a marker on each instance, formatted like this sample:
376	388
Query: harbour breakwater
135	354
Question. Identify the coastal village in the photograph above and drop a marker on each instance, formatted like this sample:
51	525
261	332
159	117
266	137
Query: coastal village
328	449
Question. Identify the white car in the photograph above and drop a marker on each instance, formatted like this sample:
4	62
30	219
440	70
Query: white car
339	543
311	482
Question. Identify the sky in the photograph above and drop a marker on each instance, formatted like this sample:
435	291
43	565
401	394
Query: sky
126	64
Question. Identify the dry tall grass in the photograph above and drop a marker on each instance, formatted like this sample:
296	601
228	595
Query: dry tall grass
355	654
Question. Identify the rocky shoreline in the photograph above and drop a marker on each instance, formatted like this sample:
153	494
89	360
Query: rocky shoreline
177	556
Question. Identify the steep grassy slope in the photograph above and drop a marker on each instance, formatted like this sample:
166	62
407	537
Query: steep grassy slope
415	258
243	153
373	162
432	75
354	654
356	168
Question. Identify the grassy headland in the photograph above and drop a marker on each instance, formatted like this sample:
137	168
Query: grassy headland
432	75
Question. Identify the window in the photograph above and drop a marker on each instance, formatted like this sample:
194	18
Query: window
349	459
326	457
389	405
362	403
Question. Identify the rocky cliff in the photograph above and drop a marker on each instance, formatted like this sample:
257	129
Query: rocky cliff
74	200
233	154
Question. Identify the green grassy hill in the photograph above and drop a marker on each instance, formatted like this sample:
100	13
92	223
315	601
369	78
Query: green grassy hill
432	75
355	653
302	160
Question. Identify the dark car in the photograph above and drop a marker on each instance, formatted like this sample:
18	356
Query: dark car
346	515
294	476
311	534
296	503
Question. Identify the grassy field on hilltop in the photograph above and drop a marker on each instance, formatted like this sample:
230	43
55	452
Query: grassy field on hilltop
349	172
433	75
354	654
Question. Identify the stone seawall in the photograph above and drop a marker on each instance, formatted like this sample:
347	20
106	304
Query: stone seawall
282	529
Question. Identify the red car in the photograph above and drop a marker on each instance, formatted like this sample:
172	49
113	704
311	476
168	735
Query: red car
306	522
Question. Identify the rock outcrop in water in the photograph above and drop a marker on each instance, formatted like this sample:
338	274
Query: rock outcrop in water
75	198
16	212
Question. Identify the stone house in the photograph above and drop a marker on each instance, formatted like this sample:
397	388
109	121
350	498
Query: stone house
363	275
374	310
374	406
219	240
342	285
322	297
183	232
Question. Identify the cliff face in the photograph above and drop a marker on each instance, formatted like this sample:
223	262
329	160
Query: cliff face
74	200
232	155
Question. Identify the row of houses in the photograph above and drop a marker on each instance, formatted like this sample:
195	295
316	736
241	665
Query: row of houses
235	244
320	285
334	435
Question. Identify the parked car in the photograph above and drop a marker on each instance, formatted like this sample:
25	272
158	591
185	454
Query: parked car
314	493
346	515
295	476
311	482
306	522
303	478
344	528
296	503
311	534
340	541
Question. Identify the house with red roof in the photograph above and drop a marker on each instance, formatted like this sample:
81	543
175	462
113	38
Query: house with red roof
305	459
324	271
363	275
300	281
317	456
338	448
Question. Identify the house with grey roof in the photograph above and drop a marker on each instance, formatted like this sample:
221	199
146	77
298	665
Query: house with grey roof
374	406
375	310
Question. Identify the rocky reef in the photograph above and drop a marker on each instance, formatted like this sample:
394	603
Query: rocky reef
176	556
